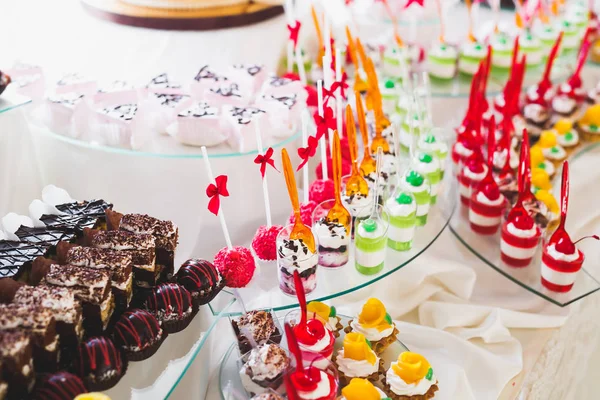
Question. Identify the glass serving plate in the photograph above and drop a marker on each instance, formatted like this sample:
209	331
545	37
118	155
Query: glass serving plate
229	382
263	291
11	100
487	249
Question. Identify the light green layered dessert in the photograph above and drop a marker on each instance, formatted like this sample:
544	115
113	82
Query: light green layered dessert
471	55
402	212
429	143
418	185
393	58
532	47
547	33
502	50
571	35
390	93
428	165
441	61
370	240
406	139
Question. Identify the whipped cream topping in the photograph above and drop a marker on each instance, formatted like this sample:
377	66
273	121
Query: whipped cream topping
558	256
295	254
372	334
399	387
522	233
400	210
355	368
322	391
267	362
331	234
321	344
483	199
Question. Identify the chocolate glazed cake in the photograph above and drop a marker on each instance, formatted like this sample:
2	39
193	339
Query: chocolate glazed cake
165	233
16	258
99	364
78	215
139	334
171	304
201	279
59	386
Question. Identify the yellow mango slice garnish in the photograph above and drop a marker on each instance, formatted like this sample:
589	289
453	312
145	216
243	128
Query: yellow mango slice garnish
372	314
547	139
540	179
321	309
548	199
411	367
537	156
563	126
360	389
357	348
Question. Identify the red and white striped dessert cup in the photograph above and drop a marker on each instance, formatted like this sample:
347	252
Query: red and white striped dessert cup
518	244
470	176
559	270
485	213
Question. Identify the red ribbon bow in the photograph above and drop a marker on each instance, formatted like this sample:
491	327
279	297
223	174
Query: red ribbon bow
264	159
342	85
328	94
294	30
410	2
214	191
305	153
326	122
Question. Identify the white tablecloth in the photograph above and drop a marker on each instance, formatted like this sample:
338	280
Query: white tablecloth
486	337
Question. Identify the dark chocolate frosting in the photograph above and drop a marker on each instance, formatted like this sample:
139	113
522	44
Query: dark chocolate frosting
44	236
198	275
137	328
13	255
58	386
78	215
169	300
98	358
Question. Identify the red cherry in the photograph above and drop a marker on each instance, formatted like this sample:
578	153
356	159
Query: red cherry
523	221
306	380
311	333
562	242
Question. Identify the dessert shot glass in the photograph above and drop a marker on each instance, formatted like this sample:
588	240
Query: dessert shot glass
293	254
333	238
370	240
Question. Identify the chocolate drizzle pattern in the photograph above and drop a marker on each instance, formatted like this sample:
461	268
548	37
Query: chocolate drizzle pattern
77	215
46	236
170	100
279	81
58	386
207	74
162	82
13	255
124	112
286	101
199	110
251	69
244	115
169	301
231	90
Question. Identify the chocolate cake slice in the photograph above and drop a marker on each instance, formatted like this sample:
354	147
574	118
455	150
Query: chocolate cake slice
165	234
16	357
141	248
64	306
38	322
78	215
260	324
16	258
90	286
119	263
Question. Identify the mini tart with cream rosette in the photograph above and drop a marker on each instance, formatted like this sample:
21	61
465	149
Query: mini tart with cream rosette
410	378
362	389
539	161
589	124
356	359
375	324
551	149
566	136
326	314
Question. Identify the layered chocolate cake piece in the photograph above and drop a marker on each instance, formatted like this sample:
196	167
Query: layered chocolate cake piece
90	286
260	324
165	235
16	258
120	265
78	215
63	305
16	357
39	323
140	247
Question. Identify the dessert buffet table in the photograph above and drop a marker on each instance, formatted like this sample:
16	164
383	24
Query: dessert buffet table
487	336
